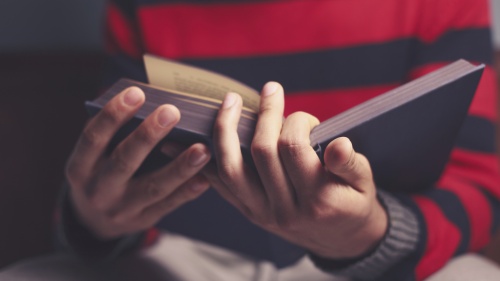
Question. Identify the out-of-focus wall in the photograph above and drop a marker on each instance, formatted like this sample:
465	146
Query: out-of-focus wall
50	25
50	63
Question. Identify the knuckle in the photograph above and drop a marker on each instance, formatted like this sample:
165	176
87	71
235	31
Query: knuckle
111	114
91	138
153	189
284	222
98	203
263	150
146	136
286	142
314	214
227	173
120	162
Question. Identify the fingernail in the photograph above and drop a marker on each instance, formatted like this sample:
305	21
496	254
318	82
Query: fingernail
197	157
133	96
165	117
229	100
270	88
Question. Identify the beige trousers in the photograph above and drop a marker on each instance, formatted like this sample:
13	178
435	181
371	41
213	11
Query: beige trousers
180	259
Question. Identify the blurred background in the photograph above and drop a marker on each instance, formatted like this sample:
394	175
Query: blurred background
50	60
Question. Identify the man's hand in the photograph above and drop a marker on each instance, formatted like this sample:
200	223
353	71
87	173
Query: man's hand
106	196
332	210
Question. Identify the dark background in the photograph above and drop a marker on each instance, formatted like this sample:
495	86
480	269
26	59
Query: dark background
50	63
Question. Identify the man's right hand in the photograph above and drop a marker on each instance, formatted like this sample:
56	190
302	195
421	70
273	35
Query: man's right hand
105	195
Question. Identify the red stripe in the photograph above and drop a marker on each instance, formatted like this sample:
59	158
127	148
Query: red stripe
476	206
257	28
485	100
272	27
151	237
442	15
443	238
326	104
121	34
476	168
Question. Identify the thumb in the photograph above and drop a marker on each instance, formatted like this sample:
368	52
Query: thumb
344	162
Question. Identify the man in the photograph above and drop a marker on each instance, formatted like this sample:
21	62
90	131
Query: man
329	55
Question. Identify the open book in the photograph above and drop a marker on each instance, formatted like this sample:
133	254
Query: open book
407	133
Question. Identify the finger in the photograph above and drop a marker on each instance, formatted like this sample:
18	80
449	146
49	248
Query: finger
99	131
173	149
241	181
188	191
131	152
211	174
152	188
352	167
265	149
301	162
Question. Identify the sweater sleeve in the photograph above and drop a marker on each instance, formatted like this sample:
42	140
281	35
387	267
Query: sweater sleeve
461	211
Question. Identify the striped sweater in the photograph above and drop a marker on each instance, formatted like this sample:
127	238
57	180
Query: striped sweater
331	55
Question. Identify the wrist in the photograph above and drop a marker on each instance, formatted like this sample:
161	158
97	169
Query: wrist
358	240
399	241
373	231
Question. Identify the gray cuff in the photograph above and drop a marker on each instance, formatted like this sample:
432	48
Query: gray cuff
400	241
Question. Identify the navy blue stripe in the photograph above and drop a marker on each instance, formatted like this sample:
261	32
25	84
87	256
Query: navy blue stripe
495	210
338	68
477	134
455	212
127	7
357	66
121	66
472	44
405	269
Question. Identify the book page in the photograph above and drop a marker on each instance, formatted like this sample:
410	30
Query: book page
187	79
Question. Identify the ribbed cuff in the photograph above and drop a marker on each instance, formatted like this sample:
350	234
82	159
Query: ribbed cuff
400	241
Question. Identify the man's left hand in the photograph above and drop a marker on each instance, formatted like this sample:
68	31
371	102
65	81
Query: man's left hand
331	209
